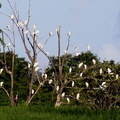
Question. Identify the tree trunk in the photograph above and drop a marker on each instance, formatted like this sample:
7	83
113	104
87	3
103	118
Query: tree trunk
58	101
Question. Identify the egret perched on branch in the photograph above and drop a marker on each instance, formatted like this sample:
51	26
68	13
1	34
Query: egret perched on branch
101	70
20	24
50	34
35	64
103	83
68	100
7	45
1	70
40	45
1	84
69	33
117	76
8	27
73	83
57	88
63	94
26	32
70	70
77	54
94	61
50	81
12	17
34	26
87	84
77	96
109	70
53	74
81	74
75	49
65	51
44	76
33	91
25	22
36	68
29	65
80	65
85	66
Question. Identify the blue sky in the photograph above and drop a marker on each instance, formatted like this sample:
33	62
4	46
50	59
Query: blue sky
93	22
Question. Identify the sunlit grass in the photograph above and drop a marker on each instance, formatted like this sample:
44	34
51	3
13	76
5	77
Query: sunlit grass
51	113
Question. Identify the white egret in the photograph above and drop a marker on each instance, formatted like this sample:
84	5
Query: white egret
26	32
20	24
7	45
77	96
76	48
73	83
35	64
103	83
29	65
47	53
1	70
44	76
117	76
85	66
80	65
8	27
68	100
63	94
50	34
109	70
70	70
33	91
57	88
12	17
69	33
53	74
101	70
94	61
36	32
77	54
36	68
34	26
81	74
65	51
40	45
50	81
25	22
87	84
1	84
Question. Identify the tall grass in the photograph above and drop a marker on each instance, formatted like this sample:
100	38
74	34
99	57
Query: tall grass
51	113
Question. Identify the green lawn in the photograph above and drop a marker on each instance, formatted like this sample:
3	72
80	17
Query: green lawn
51	113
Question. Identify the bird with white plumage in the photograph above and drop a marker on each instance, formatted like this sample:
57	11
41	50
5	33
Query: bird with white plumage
63	94
73	83
94	61
80	65
1	84
68	100
77	96
1	70
70	70
87	84
50	81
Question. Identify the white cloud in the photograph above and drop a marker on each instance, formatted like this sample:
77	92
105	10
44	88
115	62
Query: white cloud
108	52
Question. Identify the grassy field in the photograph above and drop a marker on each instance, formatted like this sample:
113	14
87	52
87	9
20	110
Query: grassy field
51	113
